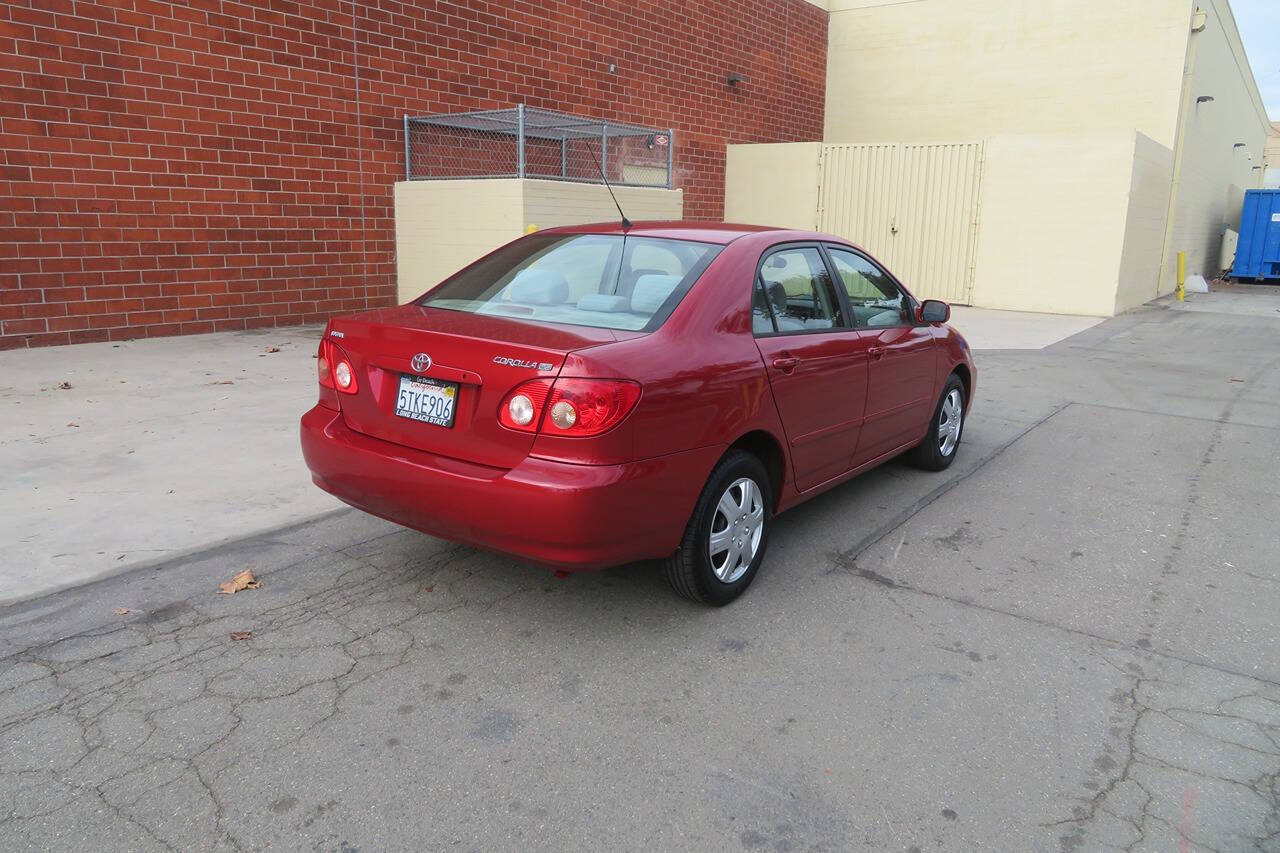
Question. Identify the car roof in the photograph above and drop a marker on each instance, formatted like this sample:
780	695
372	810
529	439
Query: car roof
703	232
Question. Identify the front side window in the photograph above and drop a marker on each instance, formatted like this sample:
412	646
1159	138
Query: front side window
603	280
874	298
794	285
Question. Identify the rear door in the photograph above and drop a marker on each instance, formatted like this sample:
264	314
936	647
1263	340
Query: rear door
902	362
473	358
815	360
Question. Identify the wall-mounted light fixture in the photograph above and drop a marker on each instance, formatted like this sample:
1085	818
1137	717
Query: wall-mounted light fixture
736	77
1204	99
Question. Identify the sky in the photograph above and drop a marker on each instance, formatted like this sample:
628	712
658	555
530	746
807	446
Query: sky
1259	23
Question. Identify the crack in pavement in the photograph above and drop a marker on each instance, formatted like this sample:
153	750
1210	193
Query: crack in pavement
126	712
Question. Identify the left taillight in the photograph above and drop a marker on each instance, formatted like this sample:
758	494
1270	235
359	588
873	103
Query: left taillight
334	371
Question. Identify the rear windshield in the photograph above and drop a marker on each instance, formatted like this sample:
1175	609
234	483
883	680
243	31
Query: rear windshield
604	280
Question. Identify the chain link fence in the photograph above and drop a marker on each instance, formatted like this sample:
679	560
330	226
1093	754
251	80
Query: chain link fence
526	142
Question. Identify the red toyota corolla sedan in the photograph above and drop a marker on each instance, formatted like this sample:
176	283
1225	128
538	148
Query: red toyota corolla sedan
595	395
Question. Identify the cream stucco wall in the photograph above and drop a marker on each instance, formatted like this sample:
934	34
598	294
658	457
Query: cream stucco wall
1054	210
1081	104
1214	173
929	70
1272	160
772	184
1148	210
441	226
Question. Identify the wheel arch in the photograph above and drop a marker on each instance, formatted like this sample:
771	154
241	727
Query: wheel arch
765	446
966	379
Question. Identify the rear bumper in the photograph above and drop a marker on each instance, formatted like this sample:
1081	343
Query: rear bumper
574	517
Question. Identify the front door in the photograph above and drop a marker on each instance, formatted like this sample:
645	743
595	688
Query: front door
815	360
902	356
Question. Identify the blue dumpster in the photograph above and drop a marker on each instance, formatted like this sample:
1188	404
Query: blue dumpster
1258	253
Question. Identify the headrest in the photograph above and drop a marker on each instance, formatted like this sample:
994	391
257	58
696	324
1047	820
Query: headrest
538	287
607	302
777	296
651	291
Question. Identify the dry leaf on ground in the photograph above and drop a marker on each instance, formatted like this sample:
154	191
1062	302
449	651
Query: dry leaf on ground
273	349
241	635
122	611
64	385
244	580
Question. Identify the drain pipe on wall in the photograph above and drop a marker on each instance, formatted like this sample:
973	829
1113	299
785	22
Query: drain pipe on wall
1198	21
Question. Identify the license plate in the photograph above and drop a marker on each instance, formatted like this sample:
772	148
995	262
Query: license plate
428	400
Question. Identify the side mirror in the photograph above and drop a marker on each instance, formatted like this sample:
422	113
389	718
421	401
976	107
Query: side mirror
934	311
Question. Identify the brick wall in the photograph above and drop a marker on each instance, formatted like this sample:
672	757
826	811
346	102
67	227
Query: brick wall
190	167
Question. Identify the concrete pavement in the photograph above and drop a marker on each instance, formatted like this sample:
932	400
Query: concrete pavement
156	447
1067	641
988	329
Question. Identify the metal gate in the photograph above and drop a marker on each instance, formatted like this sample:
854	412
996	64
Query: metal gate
915	207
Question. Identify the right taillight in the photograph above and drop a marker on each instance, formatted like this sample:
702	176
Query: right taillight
568	406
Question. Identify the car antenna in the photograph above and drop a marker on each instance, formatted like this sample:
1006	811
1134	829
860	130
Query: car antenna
626	223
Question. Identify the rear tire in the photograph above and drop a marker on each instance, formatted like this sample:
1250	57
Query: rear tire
725	540
946	427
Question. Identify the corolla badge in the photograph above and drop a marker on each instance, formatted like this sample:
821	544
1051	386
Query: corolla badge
420	363
521	362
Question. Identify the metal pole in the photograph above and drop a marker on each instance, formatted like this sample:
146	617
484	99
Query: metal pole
408	164
671	150
564	157
520	140
604	148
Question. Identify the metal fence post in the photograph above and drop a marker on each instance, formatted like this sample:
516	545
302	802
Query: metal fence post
671	150
520	140
564	157
604	148
408	163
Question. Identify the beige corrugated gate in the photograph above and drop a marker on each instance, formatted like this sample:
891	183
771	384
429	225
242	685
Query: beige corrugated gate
915	207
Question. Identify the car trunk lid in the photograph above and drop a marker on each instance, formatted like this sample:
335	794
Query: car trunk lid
484	356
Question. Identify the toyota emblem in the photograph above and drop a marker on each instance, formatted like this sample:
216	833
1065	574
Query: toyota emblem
420	363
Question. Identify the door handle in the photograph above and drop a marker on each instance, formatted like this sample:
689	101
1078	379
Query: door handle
875	352
786	363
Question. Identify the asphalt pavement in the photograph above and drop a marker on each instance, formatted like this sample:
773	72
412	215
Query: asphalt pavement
1068	641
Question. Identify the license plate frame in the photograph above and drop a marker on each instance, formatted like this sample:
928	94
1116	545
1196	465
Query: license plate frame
411	400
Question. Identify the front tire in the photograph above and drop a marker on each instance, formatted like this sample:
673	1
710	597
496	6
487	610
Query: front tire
725	540
939	447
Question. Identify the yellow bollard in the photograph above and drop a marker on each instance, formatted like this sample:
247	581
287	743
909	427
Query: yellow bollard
1182	277
530	228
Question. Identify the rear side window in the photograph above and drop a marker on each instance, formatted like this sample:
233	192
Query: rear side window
602	280
795	286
